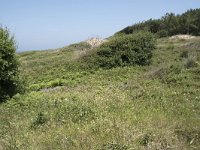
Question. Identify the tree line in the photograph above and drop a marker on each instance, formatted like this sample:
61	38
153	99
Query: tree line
170	24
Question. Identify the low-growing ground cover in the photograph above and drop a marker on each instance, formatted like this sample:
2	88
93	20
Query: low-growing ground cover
70	106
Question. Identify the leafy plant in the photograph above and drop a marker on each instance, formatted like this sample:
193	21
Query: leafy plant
9	79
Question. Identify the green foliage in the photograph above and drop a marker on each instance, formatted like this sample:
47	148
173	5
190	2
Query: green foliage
191	62
114	146
125	50
146	139
77	46
40	120
167	74
81	114
170	24
9	81
70	107
184	54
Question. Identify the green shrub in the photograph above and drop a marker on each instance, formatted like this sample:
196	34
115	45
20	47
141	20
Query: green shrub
9	80
184	54
125	50
40	120
146	139
162	33
191	62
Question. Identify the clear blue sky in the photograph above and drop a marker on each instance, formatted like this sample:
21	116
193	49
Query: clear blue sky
44	24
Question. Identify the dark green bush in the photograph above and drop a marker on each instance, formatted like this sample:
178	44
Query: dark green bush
9	80
125	50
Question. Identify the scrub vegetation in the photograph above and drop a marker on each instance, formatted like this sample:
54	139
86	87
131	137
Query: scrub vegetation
105	98
170	24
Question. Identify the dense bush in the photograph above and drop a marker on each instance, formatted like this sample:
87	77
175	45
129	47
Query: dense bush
125	50
170	24
9	81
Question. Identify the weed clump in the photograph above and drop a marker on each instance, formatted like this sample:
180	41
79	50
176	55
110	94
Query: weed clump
114	146
80	114
184	54
191	137
167	74
40	120
191	62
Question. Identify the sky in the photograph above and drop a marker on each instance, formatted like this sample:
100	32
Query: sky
49	24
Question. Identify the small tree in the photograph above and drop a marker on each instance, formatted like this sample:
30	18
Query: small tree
8	65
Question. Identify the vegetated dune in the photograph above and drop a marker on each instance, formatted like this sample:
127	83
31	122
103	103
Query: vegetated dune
70	106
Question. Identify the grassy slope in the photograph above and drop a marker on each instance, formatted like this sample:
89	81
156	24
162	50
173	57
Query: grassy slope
69	107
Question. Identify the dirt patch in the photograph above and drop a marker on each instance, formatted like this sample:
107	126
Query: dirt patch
53	89
182	36
1	147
